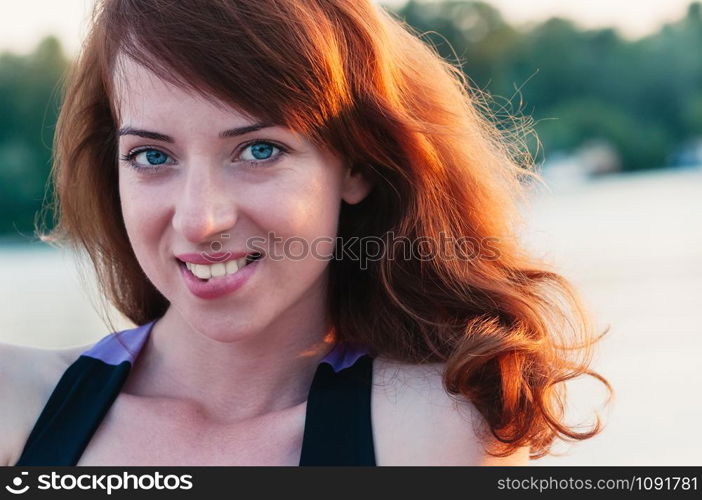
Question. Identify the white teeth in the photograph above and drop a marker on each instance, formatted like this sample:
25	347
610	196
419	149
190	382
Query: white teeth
201	271
232	267
216	270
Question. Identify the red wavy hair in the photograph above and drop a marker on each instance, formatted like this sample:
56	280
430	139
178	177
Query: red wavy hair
355	79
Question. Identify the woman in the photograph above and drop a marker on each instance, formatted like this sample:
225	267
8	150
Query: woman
241	174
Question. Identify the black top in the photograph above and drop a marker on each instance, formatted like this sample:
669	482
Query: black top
338	428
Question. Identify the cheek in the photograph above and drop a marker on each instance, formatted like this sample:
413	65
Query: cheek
305	211
141	219
299	219
132	209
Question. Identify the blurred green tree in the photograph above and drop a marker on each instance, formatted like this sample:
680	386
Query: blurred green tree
641	96
29	103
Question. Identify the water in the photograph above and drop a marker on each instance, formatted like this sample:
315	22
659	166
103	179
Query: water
42	301
633	246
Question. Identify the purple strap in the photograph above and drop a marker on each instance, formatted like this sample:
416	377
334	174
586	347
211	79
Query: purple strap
113	350
125	345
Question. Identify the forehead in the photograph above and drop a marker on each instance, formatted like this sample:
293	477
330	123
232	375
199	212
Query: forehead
142	95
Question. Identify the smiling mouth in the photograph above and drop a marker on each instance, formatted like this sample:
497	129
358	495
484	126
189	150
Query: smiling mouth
188	267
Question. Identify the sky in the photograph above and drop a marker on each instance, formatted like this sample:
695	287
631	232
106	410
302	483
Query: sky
24	22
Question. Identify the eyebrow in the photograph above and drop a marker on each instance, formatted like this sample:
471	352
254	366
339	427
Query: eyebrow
232	132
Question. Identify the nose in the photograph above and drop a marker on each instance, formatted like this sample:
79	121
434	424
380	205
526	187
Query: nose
204	209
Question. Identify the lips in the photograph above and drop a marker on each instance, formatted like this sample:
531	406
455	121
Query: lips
217	287
238	264
209	258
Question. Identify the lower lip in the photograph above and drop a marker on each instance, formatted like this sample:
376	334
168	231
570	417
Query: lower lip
217	287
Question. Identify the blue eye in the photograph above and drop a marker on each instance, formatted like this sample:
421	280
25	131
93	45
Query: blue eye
262	152
156	159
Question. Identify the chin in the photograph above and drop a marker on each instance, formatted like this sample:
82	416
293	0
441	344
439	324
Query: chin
222	327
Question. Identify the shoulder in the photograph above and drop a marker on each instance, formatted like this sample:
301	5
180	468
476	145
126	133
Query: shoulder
417	422
28	375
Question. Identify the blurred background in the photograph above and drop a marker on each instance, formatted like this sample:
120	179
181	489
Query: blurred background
614	89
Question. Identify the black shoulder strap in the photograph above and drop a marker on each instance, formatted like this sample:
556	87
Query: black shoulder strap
338	428
73	412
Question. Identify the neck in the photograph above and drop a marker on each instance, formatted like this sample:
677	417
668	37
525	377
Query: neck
249	375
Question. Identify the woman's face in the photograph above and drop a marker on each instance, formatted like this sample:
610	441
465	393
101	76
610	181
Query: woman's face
201	193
